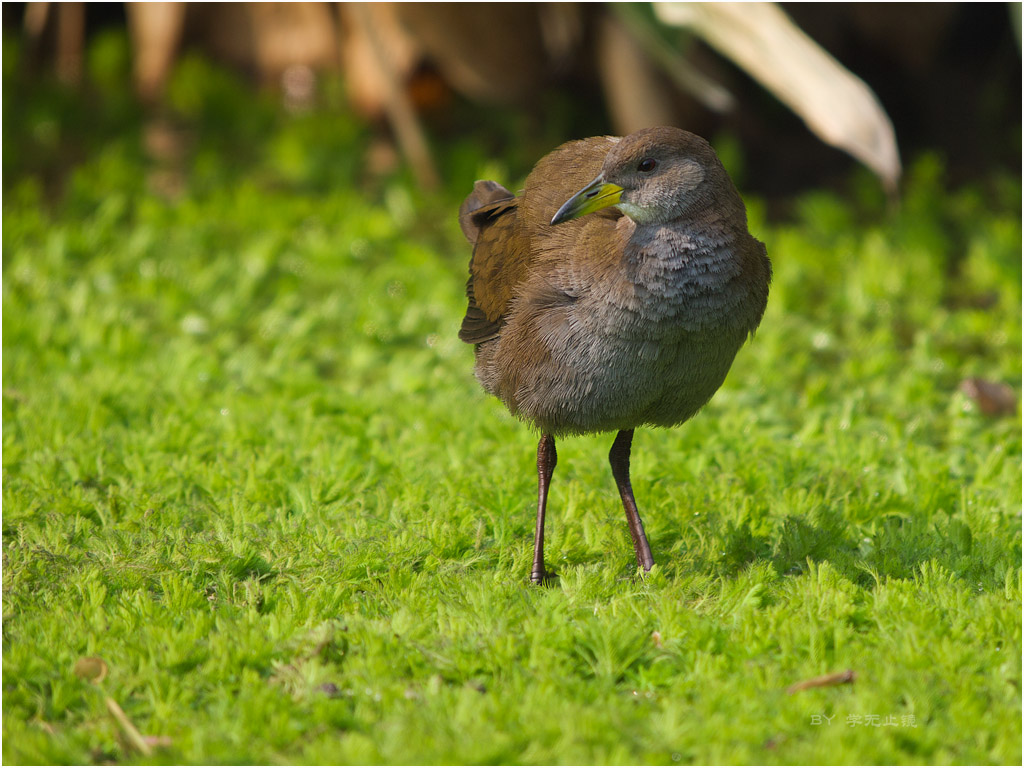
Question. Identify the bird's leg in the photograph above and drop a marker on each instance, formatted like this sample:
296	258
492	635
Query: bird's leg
619	459
546	460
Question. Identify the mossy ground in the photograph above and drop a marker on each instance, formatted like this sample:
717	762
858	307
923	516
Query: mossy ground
247	465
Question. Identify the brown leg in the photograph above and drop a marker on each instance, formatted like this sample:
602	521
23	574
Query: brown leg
546	460
619	459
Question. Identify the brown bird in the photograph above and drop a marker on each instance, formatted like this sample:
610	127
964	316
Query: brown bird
621	305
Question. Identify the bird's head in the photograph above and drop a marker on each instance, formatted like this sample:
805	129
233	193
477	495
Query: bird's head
653	176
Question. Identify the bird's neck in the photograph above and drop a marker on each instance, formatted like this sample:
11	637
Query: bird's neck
691	269
688	244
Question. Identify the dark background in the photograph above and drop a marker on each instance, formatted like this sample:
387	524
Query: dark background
949	77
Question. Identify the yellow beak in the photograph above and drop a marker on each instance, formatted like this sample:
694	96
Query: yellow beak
596	195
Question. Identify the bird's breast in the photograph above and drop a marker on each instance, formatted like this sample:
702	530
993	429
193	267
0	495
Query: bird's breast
648	342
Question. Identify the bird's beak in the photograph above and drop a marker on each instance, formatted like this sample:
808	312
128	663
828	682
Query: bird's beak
596	195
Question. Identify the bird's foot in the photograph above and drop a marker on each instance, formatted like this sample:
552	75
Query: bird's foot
542	576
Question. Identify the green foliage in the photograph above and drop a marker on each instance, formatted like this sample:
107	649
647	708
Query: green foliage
246	464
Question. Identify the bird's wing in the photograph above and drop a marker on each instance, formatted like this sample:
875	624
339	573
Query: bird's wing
499	262
509	234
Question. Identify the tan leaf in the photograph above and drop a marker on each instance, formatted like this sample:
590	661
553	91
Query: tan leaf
836	105
92	669
993	397
131	733
835	678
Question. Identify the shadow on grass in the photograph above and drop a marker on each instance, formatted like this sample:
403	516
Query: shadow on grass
892	546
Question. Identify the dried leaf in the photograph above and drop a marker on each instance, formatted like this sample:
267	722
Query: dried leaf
993	397
835	678
92	669
836	105
135	739
39	722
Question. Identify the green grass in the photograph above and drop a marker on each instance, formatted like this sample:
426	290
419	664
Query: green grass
246	464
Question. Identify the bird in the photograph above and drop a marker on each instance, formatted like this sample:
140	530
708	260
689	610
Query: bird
612	293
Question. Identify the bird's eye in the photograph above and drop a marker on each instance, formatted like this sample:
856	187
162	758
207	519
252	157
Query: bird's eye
647	165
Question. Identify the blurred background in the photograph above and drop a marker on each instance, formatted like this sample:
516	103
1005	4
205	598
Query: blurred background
248	472
794	96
